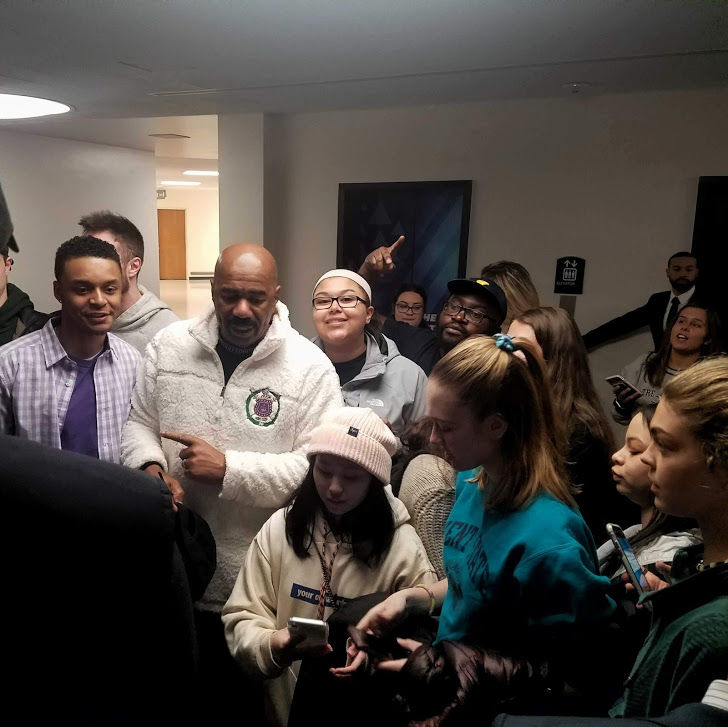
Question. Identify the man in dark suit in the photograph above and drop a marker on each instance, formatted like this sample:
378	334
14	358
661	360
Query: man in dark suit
660	311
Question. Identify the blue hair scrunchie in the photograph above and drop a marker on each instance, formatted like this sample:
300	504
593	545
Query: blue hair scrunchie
504	342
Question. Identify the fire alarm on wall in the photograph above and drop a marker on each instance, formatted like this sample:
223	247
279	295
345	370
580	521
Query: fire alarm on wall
161	194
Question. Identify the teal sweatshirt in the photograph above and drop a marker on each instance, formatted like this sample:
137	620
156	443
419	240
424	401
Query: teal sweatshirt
526	582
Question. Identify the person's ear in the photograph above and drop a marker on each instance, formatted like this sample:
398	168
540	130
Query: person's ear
277	292
370	313
497	426
133	267
56	291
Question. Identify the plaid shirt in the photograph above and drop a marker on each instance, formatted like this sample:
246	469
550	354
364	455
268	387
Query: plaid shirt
37	379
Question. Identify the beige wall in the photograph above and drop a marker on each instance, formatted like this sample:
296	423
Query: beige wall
201	225
50	183
610	178
240	161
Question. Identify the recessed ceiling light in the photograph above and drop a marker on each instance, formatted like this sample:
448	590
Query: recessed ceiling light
169	136
576	86
200	173
28	107
180	184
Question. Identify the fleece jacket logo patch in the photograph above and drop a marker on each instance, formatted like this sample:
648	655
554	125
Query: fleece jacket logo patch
262	407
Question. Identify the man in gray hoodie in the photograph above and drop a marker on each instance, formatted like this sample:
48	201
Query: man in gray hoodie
142	313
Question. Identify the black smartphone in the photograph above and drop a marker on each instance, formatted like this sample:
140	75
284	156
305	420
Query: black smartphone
617	380
629	559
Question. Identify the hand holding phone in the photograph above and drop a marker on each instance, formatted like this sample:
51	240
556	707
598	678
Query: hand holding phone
308	632
629	559
623	389
303	637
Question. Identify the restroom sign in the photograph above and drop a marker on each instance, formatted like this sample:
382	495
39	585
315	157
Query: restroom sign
569	275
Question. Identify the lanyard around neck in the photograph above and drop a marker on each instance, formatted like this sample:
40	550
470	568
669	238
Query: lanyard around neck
326	571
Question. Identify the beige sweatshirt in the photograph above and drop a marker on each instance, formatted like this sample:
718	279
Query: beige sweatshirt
275	584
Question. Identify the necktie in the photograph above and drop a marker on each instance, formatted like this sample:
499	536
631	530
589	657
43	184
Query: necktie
672	313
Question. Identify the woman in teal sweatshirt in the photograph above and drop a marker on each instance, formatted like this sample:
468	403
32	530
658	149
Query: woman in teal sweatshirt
522	579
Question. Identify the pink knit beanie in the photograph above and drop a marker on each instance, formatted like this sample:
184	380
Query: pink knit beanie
359	435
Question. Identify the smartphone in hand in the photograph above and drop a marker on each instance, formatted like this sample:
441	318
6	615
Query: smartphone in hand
617	380
315	632
629	559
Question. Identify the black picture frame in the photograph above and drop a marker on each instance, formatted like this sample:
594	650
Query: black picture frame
434	217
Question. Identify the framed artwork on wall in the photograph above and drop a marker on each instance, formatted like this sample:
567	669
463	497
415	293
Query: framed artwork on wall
434	217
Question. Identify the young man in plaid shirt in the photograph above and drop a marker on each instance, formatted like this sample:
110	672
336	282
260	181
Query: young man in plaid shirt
69	384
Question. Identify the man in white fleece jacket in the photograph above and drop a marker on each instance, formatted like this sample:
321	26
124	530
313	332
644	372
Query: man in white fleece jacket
239	392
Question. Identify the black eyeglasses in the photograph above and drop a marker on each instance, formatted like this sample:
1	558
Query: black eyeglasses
403	307
322	302
470	315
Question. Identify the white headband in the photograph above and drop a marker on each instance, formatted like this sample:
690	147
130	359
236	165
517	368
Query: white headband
350	275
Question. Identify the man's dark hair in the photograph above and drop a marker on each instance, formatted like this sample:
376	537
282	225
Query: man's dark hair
121	228
682	254
84	246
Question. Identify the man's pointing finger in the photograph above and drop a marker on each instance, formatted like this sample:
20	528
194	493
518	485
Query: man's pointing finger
187	439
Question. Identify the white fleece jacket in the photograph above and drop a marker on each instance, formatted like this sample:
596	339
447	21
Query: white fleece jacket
275	584
262	420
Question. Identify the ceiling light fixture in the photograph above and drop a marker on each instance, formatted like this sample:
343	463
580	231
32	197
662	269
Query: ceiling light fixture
180	184
200	173
13	106
576	86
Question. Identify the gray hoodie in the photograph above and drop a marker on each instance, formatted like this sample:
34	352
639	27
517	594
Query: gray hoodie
138	324
392	386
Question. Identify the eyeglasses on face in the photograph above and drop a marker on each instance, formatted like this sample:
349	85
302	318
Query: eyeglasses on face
403	307
322	302
470	315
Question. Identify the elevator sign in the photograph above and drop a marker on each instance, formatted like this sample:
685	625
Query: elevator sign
569	275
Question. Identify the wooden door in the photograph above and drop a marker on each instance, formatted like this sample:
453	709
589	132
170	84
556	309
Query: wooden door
172	245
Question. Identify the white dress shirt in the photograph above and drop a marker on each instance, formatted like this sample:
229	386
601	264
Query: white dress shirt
683	298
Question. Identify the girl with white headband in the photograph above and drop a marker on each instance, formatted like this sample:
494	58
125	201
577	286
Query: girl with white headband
371	369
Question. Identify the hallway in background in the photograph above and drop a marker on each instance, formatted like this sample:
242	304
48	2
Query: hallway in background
187	298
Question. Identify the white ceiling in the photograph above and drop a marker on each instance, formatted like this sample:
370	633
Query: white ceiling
155	58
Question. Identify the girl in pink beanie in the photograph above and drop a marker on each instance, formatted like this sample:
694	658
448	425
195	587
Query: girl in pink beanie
344	535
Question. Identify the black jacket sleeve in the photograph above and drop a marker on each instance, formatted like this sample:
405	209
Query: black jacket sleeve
620	326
